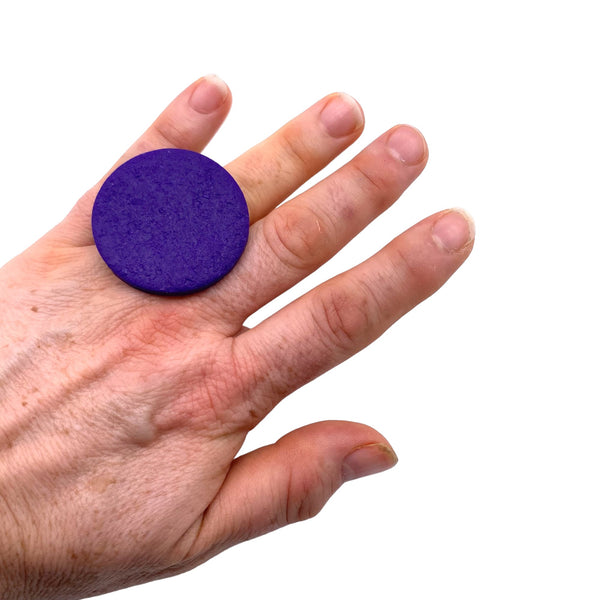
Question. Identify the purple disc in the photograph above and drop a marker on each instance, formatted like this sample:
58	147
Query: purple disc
170	222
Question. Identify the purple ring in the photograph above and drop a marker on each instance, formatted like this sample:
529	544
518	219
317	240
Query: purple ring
170	222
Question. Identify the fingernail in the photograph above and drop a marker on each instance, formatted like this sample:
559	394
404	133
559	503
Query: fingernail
210	94
407	144
341	115
453	230
368	460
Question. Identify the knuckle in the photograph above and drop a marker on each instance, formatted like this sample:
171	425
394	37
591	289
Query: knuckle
205	405
295	152
154	331
212	394
374	181
416	274
170	133
152	342
298	236
47	260
341	316
306	495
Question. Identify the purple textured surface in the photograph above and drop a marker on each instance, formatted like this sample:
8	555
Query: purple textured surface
170	222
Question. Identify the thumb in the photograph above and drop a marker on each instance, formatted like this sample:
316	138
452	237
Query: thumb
289	481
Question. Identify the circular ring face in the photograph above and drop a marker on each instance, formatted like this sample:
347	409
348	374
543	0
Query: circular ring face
170	222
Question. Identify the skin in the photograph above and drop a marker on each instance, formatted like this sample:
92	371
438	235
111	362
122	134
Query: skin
123	413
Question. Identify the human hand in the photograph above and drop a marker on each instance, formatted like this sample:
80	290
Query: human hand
123	412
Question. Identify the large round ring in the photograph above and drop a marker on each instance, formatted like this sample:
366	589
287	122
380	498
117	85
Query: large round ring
170	222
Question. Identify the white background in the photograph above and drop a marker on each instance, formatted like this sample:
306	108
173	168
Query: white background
489	390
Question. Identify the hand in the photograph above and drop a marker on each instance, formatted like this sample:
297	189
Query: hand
123	412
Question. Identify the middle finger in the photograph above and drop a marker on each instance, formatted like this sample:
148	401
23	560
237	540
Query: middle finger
273	169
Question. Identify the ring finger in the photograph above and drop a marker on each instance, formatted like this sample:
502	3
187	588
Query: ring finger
189	122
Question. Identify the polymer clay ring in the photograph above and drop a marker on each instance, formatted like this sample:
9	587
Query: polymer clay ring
170	222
